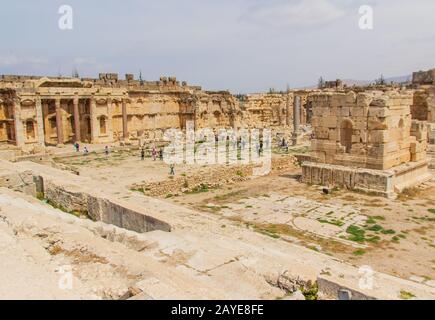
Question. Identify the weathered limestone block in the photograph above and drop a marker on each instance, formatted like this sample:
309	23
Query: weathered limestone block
379	136
419	130
345	112
377	123
329	122
321	133
359	111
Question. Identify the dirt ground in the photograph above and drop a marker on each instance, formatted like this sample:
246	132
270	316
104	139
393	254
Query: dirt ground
391	236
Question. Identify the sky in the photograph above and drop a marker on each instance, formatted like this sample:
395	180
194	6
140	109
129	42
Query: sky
237	45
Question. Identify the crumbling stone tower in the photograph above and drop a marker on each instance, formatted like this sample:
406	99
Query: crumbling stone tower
366	141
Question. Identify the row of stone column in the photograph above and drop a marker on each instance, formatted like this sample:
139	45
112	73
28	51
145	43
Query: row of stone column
19	128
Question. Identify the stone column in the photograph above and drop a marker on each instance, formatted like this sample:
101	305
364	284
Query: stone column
77	134
19	128
124	120
59	122
110	118
40	122
94	124
288	109
296	118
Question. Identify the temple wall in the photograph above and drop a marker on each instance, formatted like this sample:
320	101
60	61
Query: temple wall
367	130
56	111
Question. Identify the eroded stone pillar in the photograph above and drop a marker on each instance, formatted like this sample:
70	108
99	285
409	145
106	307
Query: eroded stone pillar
59	122
94	124
40	122
110	118
296	118
288	111
124	120
279	115
296	113
77	133
19	128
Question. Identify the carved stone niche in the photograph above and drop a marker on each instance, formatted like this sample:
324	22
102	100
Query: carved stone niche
101	101
28	103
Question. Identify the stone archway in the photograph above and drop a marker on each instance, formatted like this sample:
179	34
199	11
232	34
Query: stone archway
217	118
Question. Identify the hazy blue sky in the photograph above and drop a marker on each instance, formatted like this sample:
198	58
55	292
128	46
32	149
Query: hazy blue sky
240	45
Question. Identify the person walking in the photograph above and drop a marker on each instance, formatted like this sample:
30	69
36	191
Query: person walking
161	154
142	154
172	169
106	150
85	151
154	153
77	146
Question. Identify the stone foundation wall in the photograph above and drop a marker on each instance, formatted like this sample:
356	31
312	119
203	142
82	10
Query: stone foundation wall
74	197
382	182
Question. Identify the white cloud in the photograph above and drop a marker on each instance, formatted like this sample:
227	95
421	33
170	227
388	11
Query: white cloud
296	13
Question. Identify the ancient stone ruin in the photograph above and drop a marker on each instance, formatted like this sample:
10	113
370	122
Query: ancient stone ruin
40	111
366	141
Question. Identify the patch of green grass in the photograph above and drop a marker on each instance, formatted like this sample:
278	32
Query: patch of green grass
373	239
199	189
431	210
389	231
380	218
227	195
405	295
334	222
310	293
240	173
356	234
359	252
375	228
214	208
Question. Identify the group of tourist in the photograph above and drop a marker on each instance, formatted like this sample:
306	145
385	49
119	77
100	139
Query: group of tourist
77	148
154	153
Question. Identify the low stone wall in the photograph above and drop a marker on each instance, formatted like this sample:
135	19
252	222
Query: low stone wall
383	182
73	197
331	290
210	178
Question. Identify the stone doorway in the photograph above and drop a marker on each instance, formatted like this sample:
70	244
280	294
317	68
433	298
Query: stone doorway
346	132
